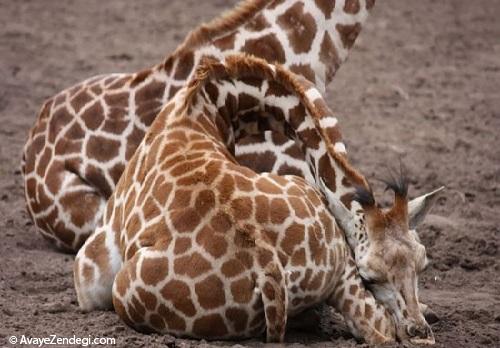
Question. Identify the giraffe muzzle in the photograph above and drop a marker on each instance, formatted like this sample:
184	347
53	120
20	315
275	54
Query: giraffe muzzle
420	334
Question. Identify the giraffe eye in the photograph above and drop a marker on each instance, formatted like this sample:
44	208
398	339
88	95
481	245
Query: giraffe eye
368	277
371	281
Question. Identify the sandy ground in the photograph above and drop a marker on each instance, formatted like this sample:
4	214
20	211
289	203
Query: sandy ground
422	84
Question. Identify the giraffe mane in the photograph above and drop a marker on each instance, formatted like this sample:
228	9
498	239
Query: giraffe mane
244	65
225	23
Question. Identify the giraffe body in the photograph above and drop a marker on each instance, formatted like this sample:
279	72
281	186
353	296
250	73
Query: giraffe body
84	136
194	244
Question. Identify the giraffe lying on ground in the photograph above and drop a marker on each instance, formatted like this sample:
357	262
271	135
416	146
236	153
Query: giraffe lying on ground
85	135
194	244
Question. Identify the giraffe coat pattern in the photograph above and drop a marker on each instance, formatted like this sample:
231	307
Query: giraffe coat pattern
196	245
85	135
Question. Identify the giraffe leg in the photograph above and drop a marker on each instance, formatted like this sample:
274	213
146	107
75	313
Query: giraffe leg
364	317
68	216
124	293
96	265
275	297
142	306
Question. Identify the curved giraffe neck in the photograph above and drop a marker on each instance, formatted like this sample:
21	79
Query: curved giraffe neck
311	38
244	85
264	28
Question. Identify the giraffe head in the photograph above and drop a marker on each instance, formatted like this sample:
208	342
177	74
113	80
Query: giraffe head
388	252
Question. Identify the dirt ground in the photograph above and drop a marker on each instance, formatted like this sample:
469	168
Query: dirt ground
422	84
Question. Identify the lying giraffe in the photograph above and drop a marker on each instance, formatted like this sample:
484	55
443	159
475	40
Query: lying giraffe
85	135
194	244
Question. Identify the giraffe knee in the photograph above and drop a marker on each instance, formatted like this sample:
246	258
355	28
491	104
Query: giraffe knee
94	274
67	219
126	297
89	295
120	304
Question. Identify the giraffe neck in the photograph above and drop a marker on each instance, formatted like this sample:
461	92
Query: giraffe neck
311	38
365	317
242	90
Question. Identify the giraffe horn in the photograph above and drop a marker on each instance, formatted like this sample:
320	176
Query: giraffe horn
343	215
398	183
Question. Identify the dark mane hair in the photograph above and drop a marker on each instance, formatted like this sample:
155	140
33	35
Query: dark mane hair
230	20
398	182
364	196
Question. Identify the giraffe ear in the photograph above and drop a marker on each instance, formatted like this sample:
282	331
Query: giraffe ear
342	215
420	206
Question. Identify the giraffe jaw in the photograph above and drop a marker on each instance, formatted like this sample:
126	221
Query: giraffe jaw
423	341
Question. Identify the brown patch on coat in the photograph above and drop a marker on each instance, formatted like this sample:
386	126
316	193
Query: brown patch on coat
328	55
226	43
140	77
261	162
242	290
93	116
299	257
299	207
266	186
177	292
299	26
238	318
221	222
258	23
182	245
210	292
232	268
185	220
210	326
285	169
294	235
148	298
326	6
280	211
185	65
327	172
304	70
262	209
242	208
181	200
352	6
81	99
215	244
59	120
225	188
154	270
267	47
348	33
172	319
191	265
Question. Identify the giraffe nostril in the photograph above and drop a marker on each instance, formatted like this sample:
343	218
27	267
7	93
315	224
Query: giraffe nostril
418	331
425	332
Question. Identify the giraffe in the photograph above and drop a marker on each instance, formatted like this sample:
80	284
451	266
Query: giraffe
194	244
83	137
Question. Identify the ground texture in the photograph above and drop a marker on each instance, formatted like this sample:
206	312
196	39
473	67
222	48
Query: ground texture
421	85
